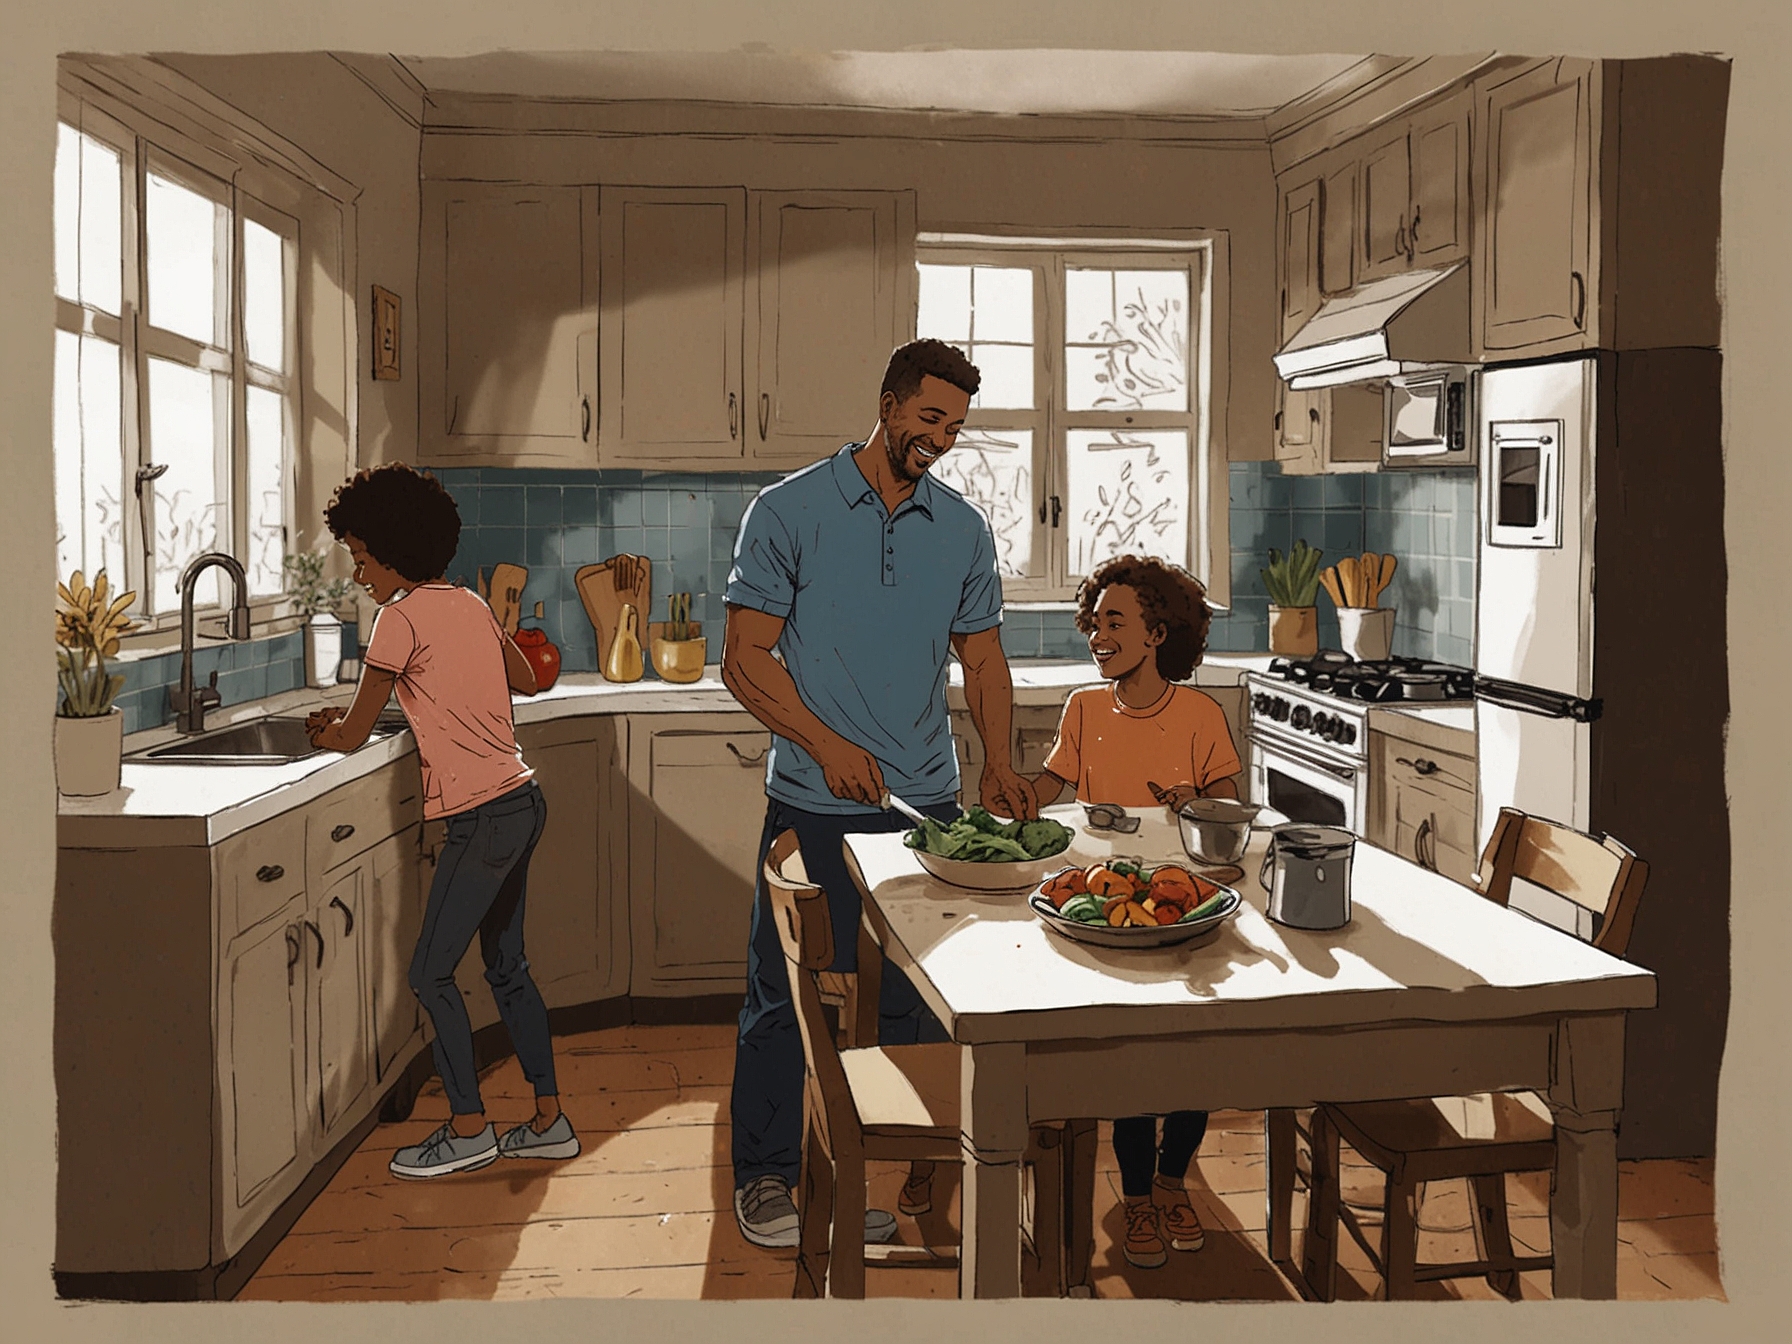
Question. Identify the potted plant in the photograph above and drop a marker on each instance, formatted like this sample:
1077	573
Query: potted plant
678	644
1293	583
89	736
317	599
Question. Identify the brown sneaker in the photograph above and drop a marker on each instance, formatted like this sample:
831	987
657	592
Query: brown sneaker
1143	1247
917	1194
1179	1218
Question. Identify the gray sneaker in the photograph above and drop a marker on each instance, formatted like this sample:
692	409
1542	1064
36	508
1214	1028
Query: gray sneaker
767	1214
445	1152
556	1141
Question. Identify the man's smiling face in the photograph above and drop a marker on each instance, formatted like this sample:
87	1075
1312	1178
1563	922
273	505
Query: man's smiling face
919	431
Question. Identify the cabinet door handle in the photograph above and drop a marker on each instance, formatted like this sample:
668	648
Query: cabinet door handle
292	951
1421	764
1580	296
733	416
1423	847
1412	236
342	832
1400	240
765	414
1313	414
269	872
318	934
1057	509
1278	428
348	916
453	414
746	760
585	421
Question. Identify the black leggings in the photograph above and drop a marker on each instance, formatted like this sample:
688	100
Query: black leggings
1135	1147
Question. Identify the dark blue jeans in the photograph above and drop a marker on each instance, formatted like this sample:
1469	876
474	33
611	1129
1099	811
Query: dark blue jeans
1136	1148
479	885
768	1053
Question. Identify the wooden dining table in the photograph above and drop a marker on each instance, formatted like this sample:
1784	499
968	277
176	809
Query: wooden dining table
1430	990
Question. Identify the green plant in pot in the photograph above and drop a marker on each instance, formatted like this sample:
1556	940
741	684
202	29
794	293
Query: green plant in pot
89	733
1292	582
317	599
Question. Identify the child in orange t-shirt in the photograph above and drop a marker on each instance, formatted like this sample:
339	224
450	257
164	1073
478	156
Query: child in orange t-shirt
1137	741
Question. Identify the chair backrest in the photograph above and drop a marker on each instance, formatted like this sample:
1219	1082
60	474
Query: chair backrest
805	932
1595	872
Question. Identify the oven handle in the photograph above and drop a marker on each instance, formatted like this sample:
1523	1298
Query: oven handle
1345	773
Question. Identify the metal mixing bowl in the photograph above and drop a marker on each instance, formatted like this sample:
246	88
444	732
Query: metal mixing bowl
1216	830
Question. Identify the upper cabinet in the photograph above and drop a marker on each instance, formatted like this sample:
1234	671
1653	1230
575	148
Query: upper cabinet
674	296
1300	232
653	327
1415	190
1536	268
508	335
832	299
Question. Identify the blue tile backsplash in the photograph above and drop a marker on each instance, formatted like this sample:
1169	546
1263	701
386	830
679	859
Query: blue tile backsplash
247	670
556	522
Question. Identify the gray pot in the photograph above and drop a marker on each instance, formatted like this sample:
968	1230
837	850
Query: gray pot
1216	830
1307	875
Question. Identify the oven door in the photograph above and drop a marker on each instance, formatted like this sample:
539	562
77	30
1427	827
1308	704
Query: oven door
1297	784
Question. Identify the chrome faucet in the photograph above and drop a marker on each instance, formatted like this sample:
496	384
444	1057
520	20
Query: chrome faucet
189	701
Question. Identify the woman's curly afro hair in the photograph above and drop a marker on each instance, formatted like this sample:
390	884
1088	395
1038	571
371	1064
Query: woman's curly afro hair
1168	596
404	518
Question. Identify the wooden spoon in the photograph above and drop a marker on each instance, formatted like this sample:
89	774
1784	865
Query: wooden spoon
1386	576
1350	575
1329	577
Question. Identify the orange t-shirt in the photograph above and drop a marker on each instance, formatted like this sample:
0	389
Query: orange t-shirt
1111	753
448	652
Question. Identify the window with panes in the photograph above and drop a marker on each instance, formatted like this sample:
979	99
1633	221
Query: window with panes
175	386
1086	437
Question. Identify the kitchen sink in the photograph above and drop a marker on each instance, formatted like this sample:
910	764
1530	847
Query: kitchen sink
257	742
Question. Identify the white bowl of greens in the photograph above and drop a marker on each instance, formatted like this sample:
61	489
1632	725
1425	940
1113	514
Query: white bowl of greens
985	853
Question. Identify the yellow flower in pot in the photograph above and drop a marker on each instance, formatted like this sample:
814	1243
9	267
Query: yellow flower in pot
89	736
1293	585
677	644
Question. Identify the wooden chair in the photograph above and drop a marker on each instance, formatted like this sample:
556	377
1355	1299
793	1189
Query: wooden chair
893	1103
1479	1138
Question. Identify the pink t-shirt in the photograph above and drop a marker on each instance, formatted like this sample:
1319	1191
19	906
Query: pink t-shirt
448	652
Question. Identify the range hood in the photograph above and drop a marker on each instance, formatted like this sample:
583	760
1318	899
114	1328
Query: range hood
1401	324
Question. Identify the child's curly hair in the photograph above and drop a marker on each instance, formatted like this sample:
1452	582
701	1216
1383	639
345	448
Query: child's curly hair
404	518
1168	596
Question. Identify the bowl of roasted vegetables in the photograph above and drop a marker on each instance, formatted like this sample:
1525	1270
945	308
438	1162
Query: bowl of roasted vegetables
1127	903
985	853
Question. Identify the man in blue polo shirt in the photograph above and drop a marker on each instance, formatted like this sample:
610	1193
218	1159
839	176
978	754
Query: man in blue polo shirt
853	579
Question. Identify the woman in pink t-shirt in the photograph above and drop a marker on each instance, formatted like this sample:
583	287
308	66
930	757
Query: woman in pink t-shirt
453	669
1136	740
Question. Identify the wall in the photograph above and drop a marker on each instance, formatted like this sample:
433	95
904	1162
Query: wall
1426	519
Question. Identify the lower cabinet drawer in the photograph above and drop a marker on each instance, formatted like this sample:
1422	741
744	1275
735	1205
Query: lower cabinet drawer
351	820
260	870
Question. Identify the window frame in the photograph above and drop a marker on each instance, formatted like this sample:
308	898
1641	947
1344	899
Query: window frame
1202	254
171	156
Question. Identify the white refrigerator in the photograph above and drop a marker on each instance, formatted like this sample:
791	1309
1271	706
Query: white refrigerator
1602	676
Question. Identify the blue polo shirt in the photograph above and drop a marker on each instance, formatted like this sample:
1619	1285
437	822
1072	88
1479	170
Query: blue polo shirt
869	601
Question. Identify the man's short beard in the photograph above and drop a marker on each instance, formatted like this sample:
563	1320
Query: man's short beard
897	452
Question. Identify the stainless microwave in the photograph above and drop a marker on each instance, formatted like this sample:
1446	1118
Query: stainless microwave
1428	418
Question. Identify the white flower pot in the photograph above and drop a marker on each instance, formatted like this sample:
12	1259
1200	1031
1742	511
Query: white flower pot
323	650
88	753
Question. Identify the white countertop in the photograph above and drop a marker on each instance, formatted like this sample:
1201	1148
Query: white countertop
201	804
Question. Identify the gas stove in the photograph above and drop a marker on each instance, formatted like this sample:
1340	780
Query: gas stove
1379	681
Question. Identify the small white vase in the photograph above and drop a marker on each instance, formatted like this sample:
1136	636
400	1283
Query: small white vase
88	753
323	650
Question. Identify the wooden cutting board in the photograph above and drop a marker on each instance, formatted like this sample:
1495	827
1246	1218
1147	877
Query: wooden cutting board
503	593
606	586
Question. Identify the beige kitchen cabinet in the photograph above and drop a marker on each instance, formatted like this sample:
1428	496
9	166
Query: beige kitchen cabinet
394	914
696	811
265	1119
1415	193
1339	182
340	1060
1421	796
1387	203
1541	129
831	294
1329	429
1298	255
672	312
508	321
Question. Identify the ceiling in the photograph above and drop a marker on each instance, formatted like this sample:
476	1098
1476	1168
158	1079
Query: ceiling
1134	83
